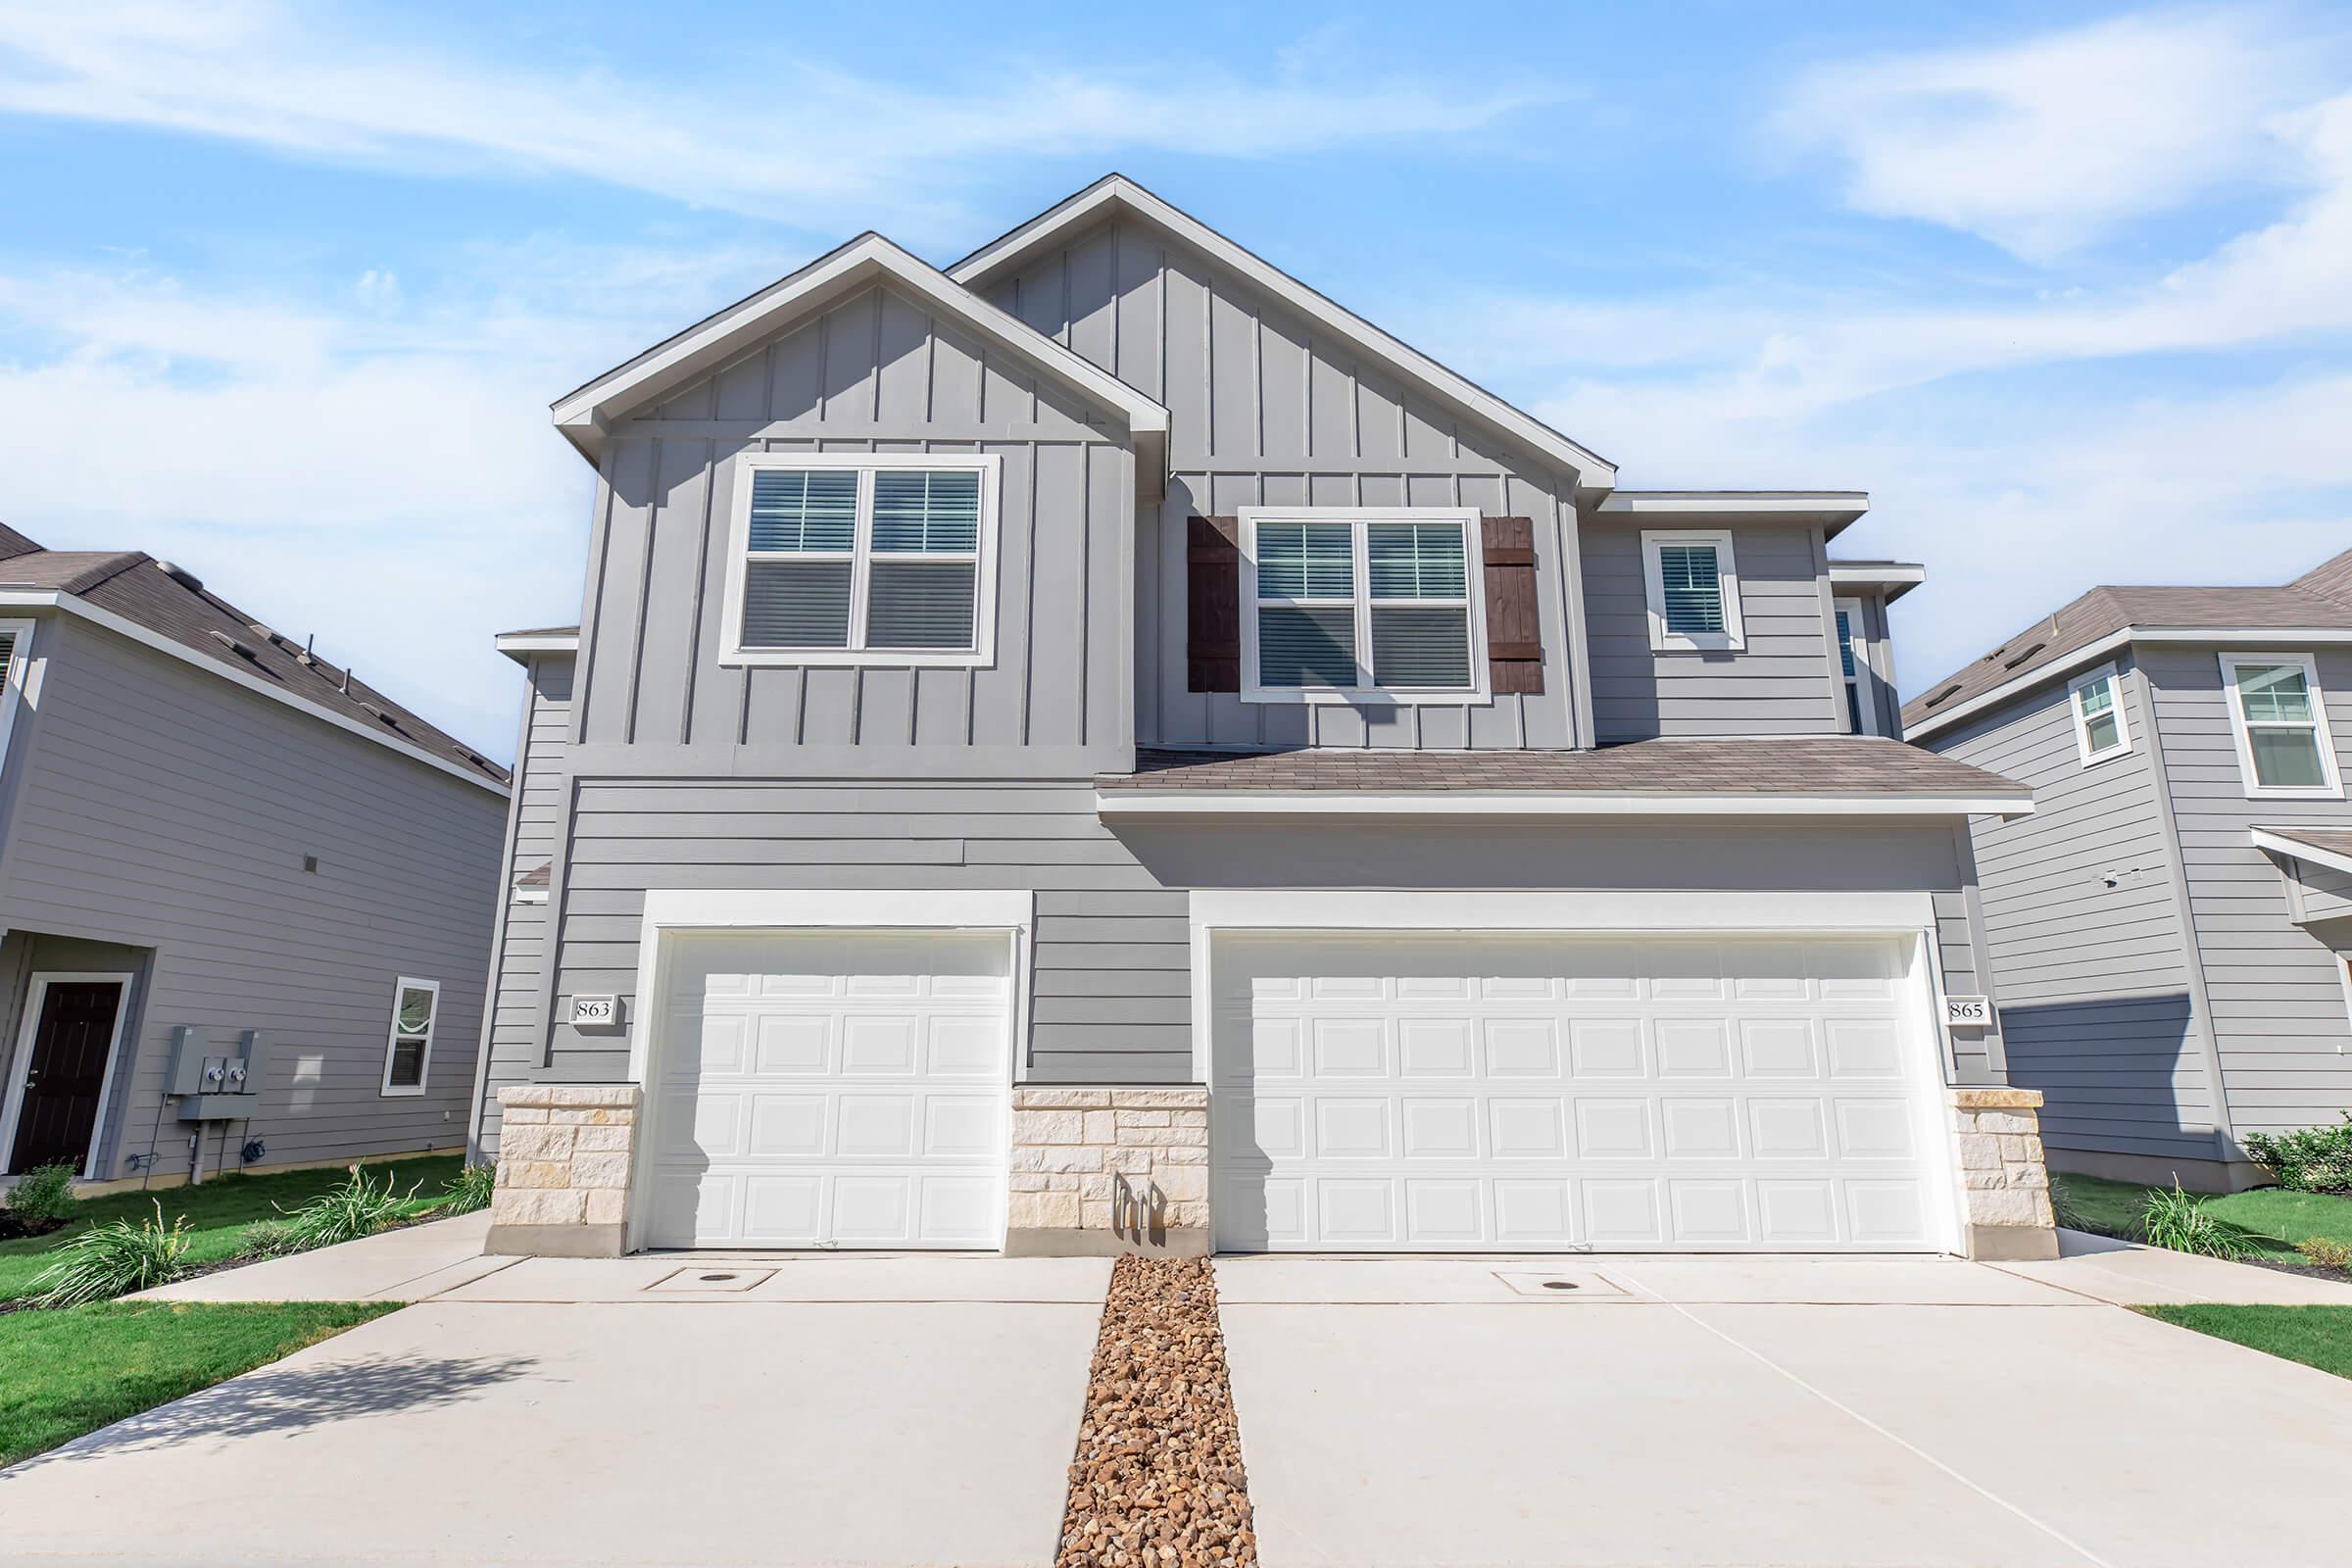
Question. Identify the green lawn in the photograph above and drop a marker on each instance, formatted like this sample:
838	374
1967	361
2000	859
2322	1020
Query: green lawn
2315	1336
2281	1218
63	1374
219	1212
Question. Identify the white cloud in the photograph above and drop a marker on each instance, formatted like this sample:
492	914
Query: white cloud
784	139
2045	145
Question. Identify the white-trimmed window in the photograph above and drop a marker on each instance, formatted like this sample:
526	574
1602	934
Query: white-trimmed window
863	559
2095	698
1343	604
1694	586
2280	718
409	1047
16	653
1854	667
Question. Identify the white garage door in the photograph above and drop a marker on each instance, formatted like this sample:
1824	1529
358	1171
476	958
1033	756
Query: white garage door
844	1088
1534	1092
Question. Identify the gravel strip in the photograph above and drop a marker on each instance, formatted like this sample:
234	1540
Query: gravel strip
1157	1482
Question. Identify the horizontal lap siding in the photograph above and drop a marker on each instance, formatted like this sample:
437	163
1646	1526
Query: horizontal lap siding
1110	998
2093	980
874	374
162	808
2279	1007
1265	411
1779	683
516	1028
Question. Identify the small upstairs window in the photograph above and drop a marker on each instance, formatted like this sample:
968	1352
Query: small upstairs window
1694	590
2101	730
409	1050
1373	604
1854	668
2279	716
15	644
875	559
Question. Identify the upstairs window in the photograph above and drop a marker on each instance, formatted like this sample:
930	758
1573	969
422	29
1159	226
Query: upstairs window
1693	589
2100	729
409	1050
16	643
866	558
1854	669
2279	718
1357	605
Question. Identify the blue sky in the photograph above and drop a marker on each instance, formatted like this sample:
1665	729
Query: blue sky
285	290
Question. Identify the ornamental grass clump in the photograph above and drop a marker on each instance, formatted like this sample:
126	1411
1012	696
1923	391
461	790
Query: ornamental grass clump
113	1259
2182	1222
346	1211
470	1190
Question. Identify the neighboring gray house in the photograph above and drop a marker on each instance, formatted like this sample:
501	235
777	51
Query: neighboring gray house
1102	747
245	899
2170	929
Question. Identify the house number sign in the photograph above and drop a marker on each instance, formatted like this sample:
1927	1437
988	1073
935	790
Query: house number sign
595	1010
1967	1012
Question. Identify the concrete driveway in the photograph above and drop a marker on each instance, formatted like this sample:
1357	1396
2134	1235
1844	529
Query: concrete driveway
1753	1410
885	1410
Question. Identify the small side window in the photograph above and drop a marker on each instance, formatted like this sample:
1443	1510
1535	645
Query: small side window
1693	589
2101	730
409	1050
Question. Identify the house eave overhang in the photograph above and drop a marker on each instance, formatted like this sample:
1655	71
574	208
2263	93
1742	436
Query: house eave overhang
586	416
1834	510
98	615
1593	473
2277	842
2090	653
1139	803
520	646
1889	579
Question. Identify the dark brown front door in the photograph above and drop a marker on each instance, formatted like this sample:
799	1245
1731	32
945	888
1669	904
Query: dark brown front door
67	1068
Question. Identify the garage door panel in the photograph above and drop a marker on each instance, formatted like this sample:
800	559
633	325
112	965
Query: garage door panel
1529	1091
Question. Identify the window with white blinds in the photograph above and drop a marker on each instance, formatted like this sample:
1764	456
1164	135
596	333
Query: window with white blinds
863	559
1377	603
1694	590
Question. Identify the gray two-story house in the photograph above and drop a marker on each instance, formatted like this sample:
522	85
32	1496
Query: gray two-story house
245	899
1100	746
2170	929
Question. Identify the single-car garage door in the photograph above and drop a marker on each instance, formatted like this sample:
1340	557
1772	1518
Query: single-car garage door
1518	1093
842	1089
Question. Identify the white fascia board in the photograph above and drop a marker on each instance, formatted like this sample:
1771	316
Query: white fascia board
1835	506
2092	652
520	649
73	605
585	414
1893	575
2274	840
1529	802
1592	472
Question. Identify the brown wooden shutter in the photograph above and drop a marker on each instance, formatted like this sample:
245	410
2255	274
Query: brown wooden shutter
1213	596
1515	629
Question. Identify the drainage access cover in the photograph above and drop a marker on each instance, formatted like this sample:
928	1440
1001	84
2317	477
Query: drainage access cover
698	1279
1563	1284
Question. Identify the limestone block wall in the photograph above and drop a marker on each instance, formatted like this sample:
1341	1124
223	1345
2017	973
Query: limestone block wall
2004	1179
1099	1170
563	1157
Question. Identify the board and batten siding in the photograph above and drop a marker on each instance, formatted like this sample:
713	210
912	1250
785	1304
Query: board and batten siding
518	1020
2087	937
2278	1008
160	807
1264	410
1784	681
873	374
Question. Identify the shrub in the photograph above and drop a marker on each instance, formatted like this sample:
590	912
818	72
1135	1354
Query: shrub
267	1238
470	1190
2326	1254
2310	1160
113	1259
2180	1221
43	1196
346	1211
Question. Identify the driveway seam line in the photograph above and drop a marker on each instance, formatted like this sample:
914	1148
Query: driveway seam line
443	1269
1836	1404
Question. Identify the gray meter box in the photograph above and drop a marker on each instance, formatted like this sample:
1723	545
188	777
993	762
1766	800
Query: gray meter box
215	1079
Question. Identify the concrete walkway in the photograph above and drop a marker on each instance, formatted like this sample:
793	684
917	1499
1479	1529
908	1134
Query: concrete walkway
1759	1411
2128	1274
410	1265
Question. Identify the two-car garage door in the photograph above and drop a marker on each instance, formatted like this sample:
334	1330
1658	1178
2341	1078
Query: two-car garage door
1525	1093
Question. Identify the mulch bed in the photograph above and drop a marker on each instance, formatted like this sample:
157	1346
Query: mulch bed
1158	1481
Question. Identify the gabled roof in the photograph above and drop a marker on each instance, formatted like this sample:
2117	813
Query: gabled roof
167	609
587	413
2109	617
1117	193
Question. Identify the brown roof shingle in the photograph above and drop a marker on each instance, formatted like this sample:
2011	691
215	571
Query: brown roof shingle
1857	765
2326	840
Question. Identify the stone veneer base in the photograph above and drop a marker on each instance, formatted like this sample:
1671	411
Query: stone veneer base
1040	1242
1099	1170
2004	1176
555	1240
565	1154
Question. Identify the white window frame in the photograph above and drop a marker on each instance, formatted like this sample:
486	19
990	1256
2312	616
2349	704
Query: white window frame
1732	638
393	1037
1474	585
2123	718
2333	789
1863	682
982	652
12	684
